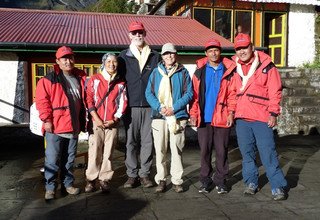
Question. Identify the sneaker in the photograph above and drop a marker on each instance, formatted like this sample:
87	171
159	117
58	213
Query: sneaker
278	194
222	189
161	187
104	186
90	187
131	182
205	188
146	182
49	195
177	188
72	190
250	189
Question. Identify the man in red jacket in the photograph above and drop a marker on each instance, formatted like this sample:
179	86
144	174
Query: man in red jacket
258	88
211	112
59	99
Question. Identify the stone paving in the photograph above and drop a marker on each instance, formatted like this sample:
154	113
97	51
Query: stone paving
22	188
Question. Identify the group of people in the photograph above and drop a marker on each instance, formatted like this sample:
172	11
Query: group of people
151	92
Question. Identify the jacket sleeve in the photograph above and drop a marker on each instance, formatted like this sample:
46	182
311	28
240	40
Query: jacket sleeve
122	101
194	104
187	96
43	101
150	96
274	90
90	95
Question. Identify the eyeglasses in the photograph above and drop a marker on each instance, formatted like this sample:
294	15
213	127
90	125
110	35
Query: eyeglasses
140	32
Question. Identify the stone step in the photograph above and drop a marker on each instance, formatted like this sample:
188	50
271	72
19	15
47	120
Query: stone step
299	91
309	118
300	100
306	110
293	82
290	74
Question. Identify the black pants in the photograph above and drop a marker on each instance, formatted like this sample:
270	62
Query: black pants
208	137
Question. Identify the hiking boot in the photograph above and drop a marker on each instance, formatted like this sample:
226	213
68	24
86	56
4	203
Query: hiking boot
161	187
90	187
177	188
250	189
131	182
278	194
146	182
49	195
222	189
72	190
104	186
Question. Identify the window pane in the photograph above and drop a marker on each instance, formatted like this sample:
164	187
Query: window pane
86	70
203	16
222	25
96	69
49	69
243	22
40	70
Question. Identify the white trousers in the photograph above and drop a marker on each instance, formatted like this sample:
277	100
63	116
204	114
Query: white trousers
161	136
101	146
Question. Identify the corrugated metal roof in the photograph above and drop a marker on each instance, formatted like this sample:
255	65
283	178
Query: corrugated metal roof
299	2
39	28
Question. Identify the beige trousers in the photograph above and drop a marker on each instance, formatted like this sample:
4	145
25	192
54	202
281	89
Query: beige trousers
101	146
161	136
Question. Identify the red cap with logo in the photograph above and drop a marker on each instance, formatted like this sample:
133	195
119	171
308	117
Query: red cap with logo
212	43
242	40
136	25
63	51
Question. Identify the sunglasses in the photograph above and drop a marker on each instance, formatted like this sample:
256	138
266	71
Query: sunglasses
140	32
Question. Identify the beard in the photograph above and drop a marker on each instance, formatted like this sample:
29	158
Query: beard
138	42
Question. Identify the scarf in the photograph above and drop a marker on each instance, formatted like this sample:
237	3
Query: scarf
165	97
252	69
141	57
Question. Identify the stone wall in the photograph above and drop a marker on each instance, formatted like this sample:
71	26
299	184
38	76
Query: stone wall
301	102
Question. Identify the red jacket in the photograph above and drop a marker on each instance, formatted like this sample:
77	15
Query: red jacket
262	93
226	96
114	105
52	101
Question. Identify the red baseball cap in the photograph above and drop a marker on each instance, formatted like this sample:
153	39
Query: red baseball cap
136	25
242	40
63	51
212	43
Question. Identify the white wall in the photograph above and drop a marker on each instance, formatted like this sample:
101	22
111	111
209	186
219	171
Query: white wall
8	81
301	42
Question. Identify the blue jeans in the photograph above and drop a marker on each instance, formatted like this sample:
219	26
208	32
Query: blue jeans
257	135
60	152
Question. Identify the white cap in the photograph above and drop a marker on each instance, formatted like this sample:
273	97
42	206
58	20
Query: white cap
168	47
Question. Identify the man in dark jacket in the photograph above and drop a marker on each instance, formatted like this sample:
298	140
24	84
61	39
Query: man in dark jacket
137	62
59	99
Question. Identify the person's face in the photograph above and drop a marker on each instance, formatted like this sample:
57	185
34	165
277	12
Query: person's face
214	55
137	37
245	53
66	63
111	64
169	58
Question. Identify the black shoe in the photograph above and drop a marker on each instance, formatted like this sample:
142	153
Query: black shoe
205	187
222	189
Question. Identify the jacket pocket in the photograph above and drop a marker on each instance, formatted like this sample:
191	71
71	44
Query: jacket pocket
260	100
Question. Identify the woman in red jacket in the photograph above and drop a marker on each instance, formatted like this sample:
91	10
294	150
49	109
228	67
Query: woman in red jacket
106	101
